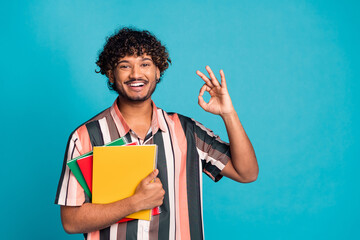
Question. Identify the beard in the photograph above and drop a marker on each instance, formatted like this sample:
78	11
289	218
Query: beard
123	95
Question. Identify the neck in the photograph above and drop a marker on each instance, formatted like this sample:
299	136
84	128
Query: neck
136	114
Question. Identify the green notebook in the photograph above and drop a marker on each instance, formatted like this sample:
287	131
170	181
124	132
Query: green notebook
74	167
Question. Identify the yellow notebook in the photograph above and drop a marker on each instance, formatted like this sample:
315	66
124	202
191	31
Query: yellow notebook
117	170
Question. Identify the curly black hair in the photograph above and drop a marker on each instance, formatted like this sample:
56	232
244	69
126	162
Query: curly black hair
132	42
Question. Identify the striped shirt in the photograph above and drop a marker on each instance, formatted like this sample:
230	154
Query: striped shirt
185	149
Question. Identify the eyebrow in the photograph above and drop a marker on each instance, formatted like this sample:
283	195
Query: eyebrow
147	59
122	61
125	61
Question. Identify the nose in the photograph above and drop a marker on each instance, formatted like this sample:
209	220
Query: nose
136	72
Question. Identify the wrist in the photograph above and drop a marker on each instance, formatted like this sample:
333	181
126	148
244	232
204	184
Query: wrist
229	115
135	203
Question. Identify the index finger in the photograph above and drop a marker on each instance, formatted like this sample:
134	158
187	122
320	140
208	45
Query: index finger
205	78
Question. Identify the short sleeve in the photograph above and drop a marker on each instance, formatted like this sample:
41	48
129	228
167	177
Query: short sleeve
213	152
69	191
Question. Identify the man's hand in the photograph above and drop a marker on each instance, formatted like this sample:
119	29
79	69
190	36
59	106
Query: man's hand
243	166
92	217
220	102
150	193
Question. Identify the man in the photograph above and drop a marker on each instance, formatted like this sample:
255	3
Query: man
134	62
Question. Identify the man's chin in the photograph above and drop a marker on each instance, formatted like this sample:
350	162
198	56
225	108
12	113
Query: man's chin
135	99
138	99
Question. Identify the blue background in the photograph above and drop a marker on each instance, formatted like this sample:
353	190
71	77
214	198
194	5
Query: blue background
292	69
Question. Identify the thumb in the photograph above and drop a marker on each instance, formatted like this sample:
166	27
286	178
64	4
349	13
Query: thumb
151	176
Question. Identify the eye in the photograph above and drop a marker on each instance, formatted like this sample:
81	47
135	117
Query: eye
124	66
145	64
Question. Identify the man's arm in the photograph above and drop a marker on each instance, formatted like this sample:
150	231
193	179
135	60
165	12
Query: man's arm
92	217
243	166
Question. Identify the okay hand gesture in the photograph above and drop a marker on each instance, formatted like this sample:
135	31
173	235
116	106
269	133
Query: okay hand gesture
220	102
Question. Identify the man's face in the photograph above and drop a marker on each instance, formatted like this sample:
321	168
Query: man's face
134	77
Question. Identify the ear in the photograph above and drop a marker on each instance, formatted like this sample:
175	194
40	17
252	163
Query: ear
110	75
157	73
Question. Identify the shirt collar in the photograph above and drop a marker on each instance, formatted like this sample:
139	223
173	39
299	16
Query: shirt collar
124	128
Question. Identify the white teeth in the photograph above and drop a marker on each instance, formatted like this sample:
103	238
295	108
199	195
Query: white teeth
136	84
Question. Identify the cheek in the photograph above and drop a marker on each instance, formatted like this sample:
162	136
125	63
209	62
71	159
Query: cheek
121	76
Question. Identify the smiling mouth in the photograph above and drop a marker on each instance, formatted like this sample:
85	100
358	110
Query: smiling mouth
137	84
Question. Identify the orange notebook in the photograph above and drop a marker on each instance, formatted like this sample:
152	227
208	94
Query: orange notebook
86	167
117	170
